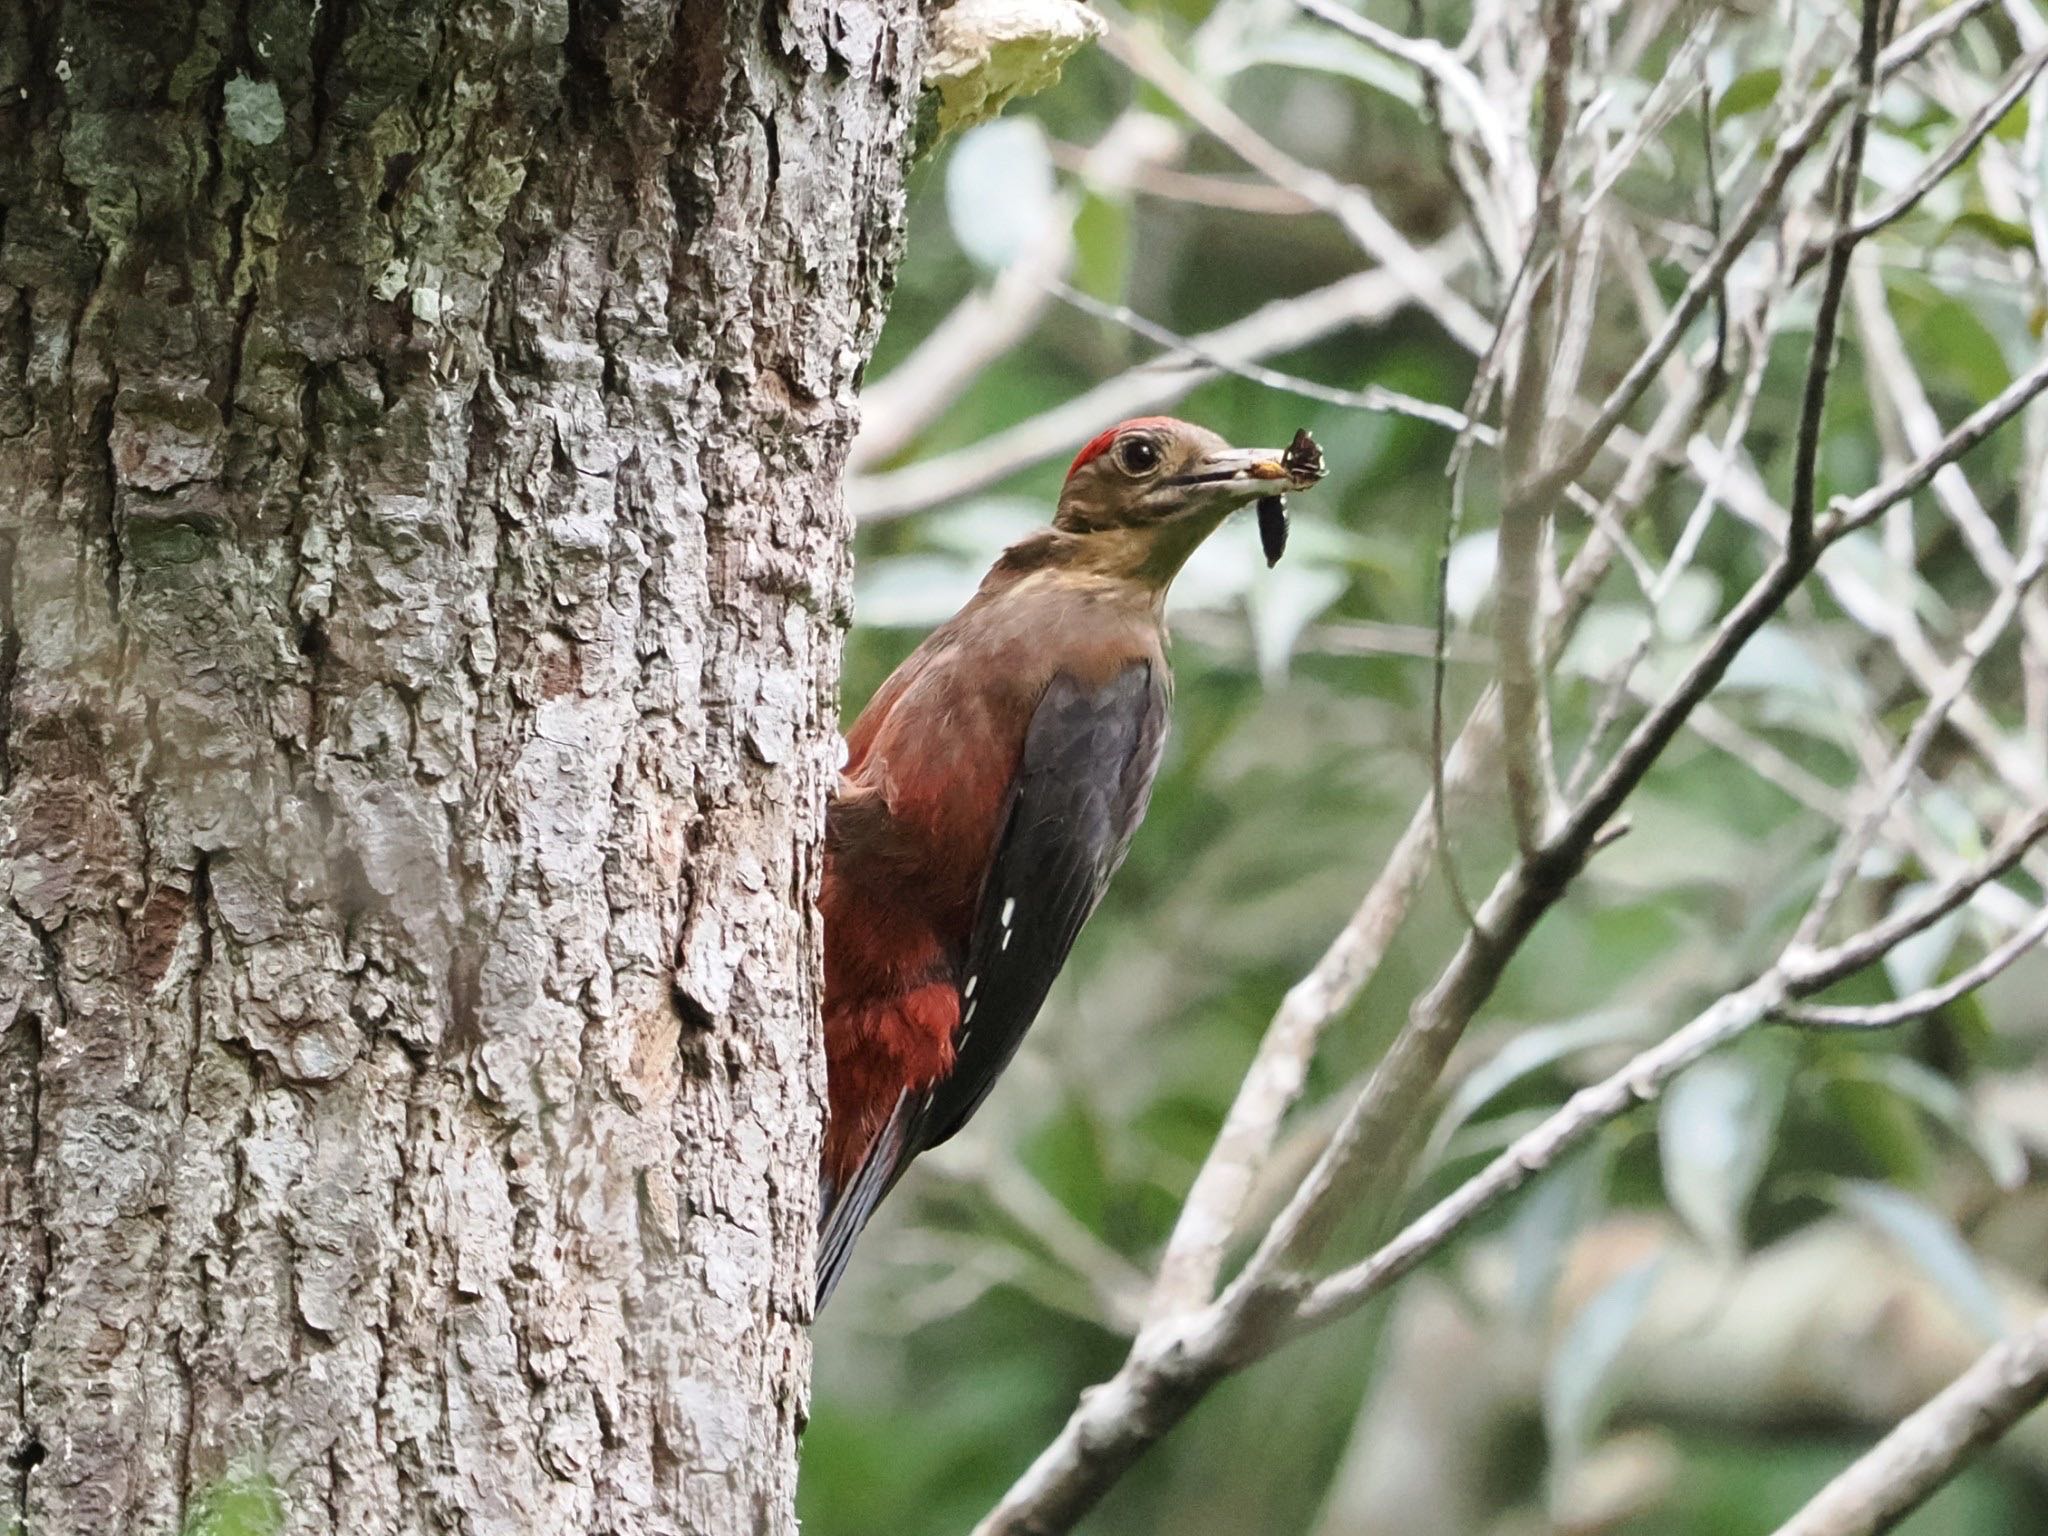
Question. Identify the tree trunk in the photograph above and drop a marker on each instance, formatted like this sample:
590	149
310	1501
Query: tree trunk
421	570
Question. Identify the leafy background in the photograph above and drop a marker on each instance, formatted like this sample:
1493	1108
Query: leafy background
1690	1326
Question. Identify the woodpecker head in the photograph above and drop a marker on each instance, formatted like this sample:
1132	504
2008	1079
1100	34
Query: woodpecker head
1140	497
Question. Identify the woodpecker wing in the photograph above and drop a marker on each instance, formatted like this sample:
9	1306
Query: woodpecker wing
1080	791
1078	795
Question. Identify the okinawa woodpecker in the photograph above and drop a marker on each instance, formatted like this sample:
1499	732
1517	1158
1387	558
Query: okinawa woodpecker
990	790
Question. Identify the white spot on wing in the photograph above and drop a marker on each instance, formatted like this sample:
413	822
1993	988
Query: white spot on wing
968	1018
1006	939
972	983
1009	910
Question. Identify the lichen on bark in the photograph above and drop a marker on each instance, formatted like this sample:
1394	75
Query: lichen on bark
422	564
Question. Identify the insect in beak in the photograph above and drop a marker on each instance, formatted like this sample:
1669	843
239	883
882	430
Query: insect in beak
1301	465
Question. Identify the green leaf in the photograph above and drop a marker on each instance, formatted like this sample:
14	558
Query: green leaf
1714	1136
1746	94
1930	1241
1943	1102
1578	1389
1530	1051
1952	340
1561	1205
1888	1134
2003	233
1102	246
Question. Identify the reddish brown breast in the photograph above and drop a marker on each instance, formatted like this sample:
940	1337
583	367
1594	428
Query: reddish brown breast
912	828
929	762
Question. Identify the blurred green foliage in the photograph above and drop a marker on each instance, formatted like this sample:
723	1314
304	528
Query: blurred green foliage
238	1506
983	1299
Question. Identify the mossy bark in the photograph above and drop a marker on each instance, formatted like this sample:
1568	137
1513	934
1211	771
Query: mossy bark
422	565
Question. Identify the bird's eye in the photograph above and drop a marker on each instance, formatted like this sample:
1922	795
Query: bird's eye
1138	455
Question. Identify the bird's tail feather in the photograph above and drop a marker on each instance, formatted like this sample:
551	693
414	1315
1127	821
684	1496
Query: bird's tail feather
842	1213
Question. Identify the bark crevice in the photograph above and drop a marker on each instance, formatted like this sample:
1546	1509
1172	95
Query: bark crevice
419	673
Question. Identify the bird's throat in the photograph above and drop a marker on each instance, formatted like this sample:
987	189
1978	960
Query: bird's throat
1148	555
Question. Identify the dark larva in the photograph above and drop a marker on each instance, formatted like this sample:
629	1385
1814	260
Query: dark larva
1273	527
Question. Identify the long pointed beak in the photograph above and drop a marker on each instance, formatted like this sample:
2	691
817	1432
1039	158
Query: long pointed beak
1255	471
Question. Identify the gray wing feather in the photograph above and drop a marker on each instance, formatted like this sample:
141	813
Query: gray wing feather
1080	792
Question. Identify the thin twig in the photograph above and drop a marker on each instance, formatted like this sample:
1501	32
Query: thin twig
1895	382
1227	194
1644	1076
1177	1358
1847	513
1820	363
1351	206
1373	397
1215	1201
1792	150
1941	700
1281	326
1454	516
1485	206
1930	1446
989	322
1190	1345
1927	1000
1713	181
1438	67
2016	83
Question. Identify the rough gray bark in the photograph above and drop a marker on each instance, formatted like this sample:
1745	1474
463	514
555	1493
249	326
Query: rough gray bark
422	562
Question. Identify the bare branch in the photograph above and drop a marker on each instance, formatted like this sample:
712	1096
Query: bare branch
1192	1340
1585	1112
1849	852
1821	358
1929	999
1938	169
1177	1359
1892	375
1351	206
1708	278
1194	1253
1114	1283
1653	733
1644	1077
1867	947
990	321
1929	1447
1850	512
1229	193
1372	398
1435	63
1362	299
1541	381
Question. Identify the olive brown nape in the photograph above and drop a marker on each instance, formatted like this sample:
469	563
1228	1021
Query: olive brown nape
991	788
